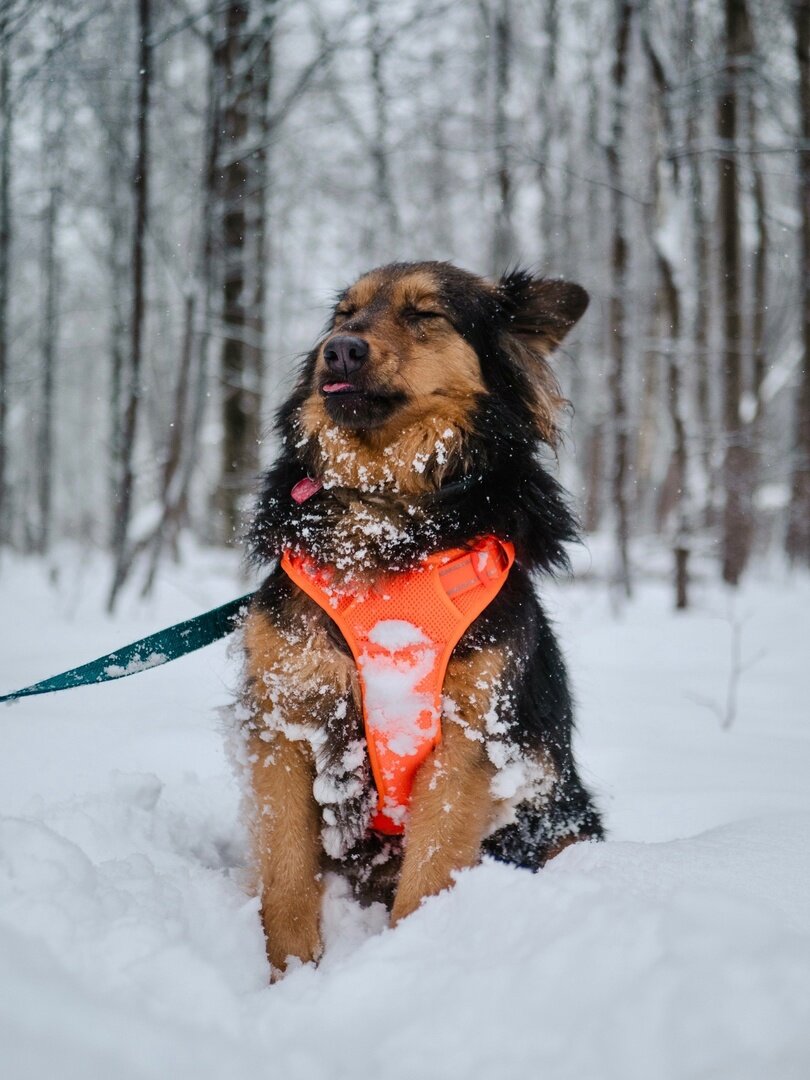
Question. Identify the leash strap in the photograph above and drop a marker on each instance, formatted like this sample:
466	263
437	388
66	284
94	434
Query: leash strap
169	644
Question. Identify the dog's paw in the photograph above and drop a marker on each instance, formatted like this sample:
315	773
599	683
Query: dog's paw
291	948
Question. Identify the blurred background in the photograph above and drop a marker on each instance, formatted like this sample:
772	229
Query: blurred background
185	184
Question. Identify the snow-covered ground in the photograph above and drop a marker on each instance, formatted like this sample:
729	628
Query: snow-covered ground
679	948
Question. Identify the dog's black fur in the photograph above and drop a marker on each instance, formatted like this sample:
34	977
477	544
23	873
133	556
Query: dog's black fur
508	492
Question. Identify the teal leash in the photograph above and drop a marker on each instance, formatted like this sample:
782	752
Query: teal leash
160	648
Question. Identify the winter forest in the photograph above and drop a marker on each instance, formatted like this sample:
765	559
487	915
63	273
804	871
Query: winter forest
184	186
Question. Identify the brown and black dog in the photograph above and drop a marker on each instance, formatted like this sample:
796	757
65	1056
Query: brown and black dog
423	413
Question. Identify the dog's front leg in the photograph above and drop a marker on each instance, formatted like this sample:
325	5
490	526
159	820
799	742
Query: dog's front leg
295	679
287	848
451	808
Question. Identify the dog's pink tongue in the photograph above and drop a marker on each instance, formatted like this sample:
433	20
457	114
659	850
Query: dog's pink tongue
336	387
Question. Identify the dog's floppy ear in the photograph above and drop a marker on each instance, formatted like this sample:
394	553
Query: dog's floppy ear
537	314
539	310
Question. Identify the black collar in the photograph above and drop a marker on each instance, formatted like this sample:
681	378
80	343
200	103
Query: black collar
457	486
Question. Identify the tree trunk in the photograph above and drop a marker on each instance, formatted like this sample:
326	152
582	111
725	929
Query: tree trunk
594	477
760	294
140	190
700	268
547	107
737	511
667	185
245	61
618	263
118	270
54	164
797	539
671	310
503	238
5	267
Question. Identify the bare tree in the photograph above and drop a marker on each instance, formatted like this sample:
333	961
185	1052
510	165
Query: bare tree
121	549
548	106
114	109
598	432
6	120
797	541
53	161
244	59
503	236
624	17
737	512
667	182
700	230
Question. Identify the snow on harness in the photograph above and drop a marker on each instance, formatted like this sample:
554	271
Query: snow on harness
402	632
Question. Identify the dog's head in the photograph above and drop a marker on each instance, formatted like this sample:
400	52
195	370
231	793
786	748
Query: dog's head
417	346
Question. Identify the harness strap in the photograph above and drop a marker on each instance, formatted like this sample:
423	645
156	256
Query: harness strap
402	632
152	651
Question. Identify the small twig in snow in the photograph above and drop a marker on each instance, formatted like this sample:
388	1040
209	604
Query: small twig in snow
726	712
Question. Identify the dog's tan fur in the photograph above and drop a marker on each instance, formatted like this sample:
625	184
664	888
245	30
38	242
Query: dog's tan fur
288	848
451	808
286	670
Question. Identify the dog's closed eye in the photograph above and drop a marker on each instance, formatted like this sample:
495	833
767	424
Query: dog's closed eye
411	314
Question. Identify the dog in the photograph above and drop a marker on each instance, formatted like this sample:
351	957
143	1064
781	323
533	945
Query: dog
417	425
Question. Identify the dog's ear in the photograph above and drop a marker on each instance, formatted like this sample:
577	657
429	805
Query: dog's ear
537	314
540	311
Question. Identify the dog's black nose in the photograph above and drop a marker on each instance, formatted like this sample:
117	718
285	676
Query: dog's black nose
345	354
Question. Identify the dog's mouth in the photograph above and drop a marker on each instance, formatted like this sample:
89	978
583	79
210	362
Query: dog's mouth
332	388
359	406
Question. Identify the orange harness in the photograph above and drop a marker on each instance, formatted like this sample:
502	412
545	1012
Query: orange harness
401	633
